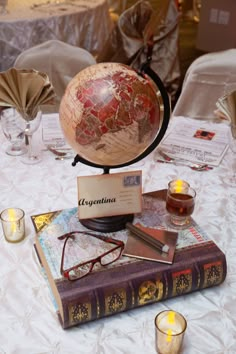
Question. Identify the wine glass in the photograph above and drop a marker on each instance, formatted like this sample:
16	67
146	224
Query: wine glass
231	180
13	131
30	126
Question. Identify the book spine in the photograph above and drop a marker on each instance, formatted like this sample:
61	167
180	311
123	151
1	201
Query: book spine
153	283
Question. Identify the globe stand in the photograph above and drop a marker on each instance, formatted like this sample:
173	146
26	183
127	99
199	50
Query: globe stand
116	223
108	224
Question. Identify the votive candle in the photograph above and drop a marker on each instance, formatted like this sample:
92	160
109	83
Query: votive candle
170	328
13	224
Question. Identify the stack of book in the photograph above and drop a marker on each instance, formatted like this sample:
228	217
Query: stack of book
130	282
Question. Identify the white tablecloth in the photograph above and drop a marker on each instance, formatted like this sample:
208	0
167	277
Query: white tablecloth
28	322
81	23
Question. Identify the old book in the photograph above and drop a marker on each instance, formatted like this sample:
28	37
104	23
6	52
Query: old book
129	282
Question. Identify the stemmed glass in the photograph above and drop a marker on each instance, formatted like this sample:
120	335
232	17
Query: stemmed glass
231	180
19	128
30	126
13	132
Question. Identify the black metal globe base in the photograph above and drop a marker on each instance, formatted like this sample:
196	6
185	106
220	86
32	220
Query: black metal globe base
108	224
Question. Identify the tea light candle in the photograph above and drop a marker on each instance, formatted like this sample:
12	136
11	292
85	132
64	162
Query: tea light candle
13	224
170	329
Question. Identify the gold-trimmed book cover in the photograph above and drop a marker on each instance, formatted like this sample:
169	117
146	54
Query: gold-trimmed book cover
129	282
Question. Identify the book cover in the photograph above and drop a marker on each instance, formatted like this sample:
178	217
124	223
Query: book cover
129	282
138	248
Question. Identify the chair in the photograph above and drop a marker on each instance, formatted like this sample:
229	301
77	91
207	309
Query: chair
59	60
209	77
127	43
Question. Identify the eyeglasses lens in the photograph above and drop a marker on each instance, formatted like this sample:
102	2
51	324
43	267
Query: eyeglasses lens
79	272
87	248
111	257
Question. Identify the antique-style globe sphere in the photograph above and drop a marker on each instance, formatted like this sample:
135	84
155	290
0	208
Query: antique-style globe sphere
113	116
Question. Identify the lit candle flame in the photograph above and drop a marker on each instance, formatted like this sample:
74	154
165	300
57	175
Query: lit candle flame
171	317
169	335
12	218
171	320
179	186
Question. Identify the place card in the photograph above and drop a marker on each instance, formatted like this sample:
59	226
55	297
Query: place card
52	134
109	194
196	141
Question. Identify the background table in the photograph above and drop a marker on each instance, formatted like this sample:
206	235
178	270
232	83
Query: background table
28	320
81	23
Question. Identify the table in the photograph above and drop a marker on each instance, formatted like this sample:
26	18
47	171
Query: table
81	23
28	321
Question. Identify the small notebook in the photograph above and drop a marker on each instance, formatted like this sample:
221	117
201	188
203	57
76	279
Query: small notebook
137	248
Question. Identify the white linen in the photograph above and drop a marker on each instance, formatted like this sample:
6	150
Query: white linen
209	77
28	321
60	61
84	24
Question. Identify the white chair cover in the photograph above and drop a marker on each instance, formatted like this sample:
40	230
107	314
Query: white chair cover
61	61
208	78
127	44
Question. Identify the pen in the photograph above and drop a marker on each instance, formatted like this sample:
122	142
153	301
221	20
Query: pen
146	237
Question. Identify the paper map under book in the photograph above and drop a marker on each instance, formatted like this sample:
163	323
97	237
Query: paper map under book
53	224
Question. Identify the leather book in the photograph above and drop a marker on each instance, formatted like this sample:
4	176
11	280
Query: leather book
129	282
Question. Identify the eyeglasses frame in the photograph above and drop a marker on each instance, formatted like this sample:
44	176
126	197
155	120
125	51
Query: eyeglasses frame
71	235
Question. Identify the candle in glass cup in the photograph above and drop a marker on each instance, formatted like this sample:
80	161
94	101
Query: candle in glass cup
170	327
180	202
13	224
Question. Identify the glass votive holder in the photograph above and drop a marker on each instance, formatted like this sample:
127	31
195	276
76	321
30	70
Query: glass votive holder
13	224
180	202
170	327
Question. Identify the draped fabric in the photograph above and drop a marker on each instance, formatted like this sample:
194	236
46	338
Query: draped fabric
208	78
81	23
61	61
127	43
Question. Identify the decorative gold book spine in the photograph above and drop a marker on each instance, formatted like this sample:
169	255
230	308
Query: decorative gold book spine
117	296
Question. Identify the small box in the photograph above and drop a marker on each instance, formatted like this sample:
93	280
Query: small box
217	26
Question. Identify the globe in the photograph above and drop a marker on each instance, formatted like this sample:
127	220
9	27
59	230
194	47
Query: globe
111	115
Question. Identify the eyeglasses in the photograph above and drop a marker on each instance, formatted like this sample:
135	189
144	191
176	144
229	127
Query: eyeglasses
80	270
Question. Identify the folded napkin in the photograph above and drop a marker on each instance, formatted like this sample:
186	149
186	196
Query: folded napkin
226	109
26	91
